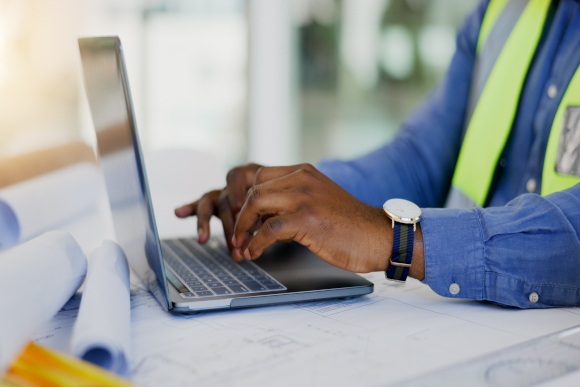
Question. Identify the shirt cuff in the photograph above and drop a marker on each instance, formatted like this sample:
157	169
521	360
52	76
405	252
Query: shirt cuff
454	253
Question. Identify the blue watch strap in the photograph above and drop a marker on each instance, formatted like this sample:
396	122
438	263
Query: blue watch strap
403	240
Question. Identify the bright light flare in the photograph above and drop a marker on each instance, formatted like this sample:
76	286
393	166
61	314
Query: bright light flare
3	57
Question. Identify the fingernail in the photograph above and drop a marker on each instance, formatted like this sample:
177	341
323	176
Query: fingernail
200	232
234	242
180	211
247	254
237	254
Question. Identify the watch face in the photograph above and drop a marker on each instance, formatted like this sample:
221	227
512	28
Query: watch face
402	210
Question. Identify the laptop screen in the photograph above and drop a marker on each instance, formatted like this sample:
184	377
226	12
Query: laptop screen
121	158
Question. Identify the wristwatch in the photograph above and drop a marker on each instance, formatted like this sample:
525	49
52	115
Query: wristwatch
404	216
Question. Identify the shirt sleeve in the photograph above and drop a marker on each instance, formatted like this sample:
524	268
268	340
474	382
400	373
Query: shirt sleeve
418	165
504	254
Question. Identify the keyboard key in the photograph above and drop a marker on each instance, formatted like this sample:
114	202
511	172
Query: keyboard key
238	289
254	286
221	290
188	294
205	268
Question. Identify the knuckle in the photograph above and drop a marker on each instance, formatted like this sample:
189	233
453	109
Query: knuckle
311	217
259	174
273	226
307	181
303	172
253	196
233	173
205	200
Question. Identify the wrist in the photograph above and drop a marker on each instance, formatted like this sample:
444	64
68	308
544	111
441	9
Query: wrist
381	253
403	225
417	269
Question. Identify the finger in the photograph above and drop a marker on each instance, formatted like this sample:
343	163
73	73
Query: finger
239	180
224	212
205	209
275	229
265	174
186	210
263	200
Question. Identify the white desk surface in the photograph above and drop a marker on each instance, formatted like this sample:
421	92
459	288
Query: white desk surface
394	334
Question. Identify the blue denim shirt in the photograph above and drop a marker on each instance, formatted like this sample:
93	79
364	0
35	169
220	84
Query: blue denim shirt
523	242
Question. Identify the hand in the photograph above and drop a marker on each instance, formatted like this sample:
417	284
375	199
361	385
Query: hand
300	203
225	204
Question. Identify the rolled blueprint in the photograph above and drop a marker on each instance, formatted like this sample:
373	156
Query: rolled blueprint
36	205
102	331
36	279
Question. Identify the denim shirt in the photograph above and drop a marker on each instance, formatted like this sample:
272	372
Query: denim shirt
522	243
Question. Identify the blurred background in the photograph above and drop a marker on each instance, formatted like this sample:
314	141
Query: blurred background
272	81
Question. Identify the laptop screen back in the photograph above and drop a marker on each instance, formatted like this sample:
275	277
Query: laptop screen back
121	159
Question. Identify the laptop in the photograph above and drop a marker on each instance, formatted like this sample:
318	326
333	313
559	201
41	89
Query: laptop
183	275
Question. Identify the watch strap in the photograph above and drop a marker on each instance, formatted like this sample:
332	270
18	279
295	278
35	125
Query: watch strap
403	240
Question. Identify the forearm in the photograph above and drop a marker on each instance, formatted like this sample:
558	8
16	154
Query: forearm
503	254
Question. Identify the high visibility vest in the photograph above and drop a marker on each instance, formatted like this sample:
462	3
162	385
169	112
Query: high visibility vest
508	38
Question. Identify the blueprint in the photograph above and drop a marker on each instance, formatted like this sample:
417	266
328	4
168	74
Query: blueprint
67	194
397	333
526	364
36	280
102	331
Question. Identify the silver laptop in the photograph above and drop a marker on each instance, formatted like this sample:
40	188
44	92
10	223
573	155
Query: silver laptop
184	276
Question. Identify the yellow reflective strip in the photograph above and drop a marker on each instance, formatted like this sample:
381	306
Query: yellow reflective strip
494	9
493	116
551	180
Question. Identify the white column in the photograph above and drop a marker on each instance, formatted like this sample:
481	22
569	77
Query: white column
272	111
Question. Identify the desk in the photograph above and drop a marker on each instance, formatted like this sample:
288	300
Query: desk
396	333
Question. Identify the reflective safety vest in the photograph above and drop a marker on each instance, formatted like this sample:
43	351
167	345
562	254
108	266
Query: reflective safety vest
508	38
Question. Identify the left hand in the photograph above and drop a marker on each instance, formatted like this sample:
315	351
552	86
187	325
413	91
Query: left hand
300	203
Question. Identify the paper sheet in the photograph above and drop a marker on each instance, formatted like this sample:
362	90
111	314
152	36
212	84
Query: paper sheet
36	279
29	208
396	333
102	332
526	364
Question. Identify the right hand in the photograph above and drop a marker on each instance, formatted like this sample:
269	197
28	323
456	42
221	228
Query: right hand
225	204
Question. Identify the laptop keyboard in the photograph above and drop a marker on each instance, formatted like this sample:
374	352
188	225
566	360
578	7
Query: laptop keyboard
208	270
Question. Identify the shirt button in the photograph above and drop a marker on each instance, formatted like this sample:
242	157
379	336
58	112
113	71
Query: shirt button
531	185
502	163
534	297
552	91
454	288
